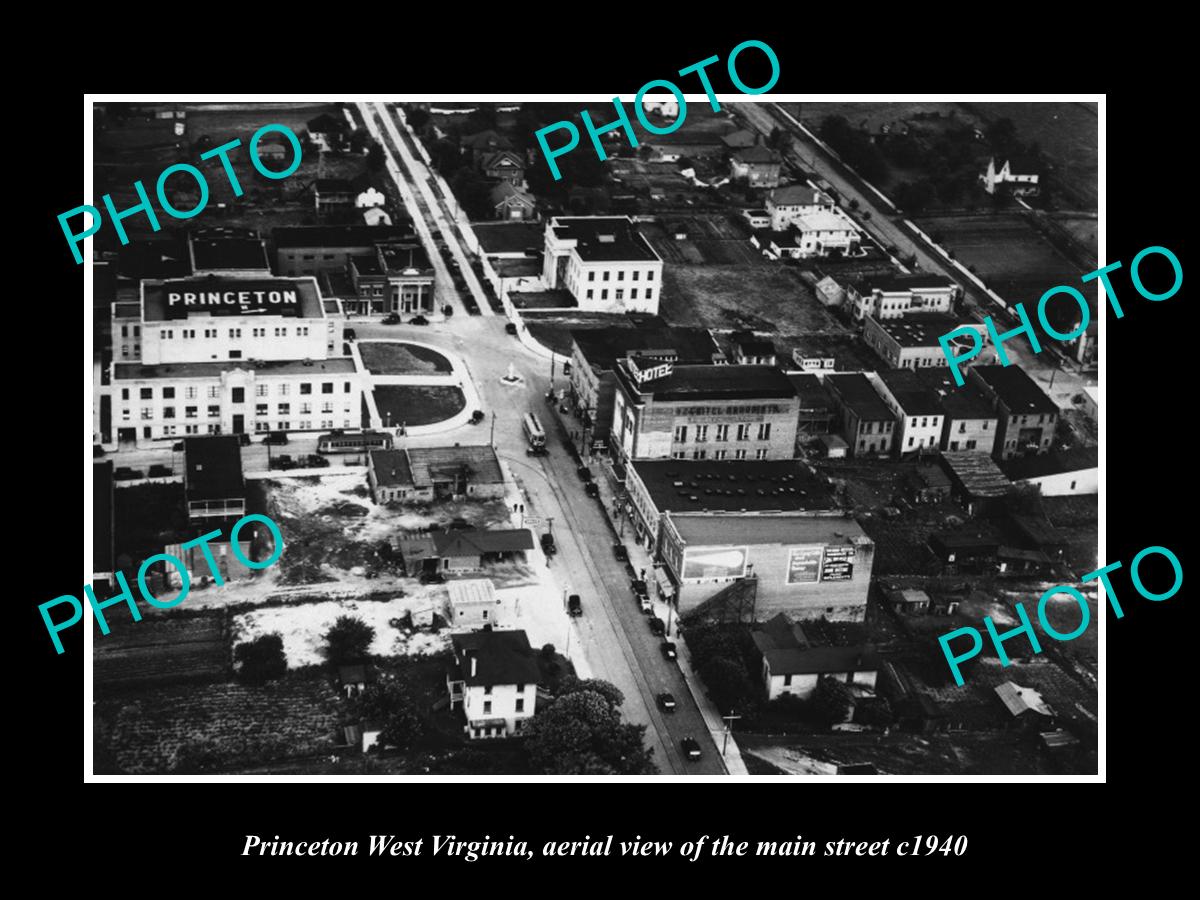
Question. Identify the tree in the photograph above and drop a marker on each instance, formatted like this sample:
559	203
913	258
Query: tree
261	659
548	652
359	138
728	684
610	692
582	734
914	196
375	158
348	640
473	192
392	705
832	701
417	118
874	711
1002	135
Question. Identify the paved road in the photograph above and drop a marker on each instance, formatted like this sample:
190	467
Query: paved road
887	227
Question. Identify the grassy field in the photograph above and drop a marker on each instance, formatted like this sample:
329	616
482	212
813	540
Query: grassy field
1006	252
553	330
386	358
712	240
762	298
418	404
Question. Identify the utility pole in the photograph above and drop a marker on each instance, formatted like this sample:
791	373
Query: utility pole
492	439
728	721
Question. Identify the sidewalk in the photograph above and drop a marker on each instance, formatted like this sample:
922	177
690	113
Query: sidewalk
639	560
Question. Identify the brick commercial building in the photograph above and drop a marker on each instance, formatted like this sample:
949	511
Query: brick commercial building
309	249
604	262
917	409
656	487
912	342
231	356
970	423
801	565
895	296
594	355
663	410
867	425
1027	416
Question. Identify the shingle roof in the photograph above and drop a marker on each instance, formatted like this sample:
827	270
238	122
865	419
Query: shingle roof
976	472
430	464
858	394
1018	700
910	392
501	657
390	467
1015	389
822	660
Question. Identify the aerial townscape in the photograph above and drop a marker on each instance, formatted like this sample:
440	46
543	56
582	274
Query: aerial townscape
656	468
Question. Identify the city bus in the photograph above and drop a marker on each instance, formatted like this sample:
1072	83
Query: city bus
534	433
353	442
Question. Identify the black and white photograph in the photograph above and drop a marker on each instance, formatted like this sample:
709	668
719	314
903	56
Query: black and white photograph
681	437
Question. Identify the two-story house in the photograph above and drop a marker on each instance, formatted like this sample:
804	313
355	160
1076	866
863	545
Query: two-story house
494	679
1027	416
868	426
916	408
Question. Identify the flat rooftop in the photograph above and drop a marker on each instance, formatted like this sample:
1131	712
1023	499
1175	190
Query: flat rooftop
215	251
901	283
602	347
797	195
966	402
813	395
824	220
732	485
859	395
701	530
717	382
509	237
329	236
1073	460
604	239
1016	389
140	372
214	295
920	329
522	267
213	468
408	257
914	396
848	352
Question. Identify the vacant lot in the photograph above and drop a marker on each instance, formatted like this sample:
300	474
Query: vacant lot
160	648
196	728
711	240
417	404
553	330
386	358
1005	251
761	298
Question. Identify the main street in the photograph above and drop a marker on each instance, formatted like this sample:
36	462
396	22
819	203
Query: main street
887	227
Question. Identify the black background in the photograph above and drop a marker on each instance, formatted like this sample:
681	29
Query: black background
193	834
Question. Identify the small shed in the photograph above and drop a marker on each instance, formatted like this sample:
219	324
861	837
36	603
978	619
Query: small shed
909	601
355	678
1024	705
929	484
835	446
422	616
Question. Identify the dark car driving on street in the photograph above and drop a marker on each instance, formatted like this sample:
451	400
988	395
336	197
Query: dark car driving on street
691	748
548	545
575	605
666	701
668	649
620	553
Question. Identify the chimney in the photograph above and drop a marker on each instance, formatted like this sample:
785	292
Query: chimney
474	662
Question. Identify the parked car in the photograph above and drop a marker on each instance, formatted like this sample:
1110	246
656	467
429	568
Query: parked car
691	749
575	605
177	447
459	524
243	440
620	553
585	473
657	626
160	471
283	461
592	489
668	649
645	603
315	462
511	327
477	417
97	451
124	473
447	310
429	576
418	320
639	588
548	544
391	319
566	368
276	437
666	702
350	334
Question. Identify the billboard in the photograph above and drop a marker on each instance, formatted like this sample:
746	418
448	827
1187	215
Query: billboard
719	562
838	564
804	564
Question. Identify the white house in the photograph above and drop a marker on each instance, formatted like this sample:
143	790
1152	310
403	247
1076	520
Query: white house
665	105
369	198
823	232
894	296
786	204
495	681
792	666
